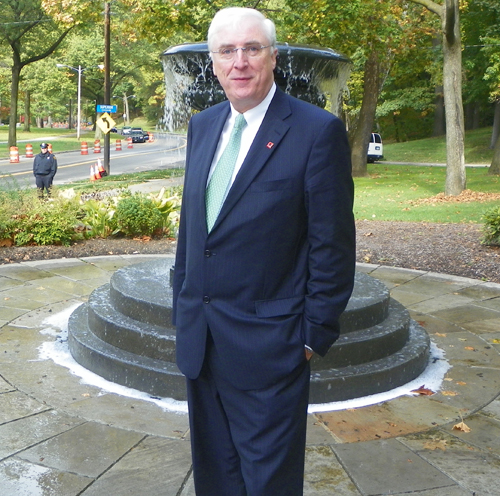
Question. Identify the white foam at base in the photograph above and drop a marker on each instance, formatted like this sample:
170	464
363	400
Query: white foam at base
58	352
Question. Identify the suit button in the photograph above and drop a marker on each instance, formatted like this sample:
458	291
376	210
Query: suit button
208	253
206	299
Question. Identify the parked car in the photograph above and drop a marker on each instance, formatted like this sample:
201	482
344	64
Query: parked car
126	129
375	148
140	130
137	137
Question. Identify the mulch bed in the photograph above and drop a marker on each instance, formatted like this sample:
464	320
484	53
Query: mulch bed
453	249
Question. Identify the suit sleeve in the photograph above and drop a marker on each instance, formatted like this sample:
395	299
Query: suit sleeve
180	256
329	196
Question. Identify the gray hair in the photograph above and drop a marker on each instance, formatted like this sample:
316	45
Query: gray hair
234	17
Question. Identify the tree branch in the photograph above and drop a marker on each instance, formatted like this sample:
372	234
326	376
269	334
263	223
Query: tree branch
49	50
430	5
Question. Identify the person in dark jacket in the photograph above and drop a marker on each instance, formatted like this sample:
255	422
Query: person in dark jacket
44	170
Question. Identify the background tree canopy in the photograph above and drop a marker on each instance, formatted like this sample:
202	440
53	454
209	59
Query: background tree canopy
396	86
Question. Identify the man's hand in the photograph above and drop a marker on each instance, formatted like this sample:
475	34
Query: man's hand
308	353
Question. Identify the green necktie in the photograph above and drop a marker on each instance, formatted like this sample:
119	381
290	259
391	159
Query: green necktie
219	182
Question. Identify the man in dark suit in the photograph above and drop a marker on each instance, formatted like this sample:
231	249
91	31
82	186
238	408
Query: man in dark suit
262	277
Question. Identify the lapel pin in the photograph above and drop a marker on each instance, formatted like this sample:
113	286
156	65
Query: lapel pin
270	145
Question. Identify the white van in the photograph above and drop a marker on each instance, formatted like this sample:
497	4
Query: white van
375	148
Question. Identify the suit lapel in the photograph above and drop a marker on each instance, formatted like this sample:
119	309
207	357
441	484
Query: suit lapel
206	148
271	132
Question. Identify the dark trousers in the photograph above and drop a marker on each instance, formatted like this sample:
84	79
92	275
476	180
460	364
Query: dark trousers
247	443
43	183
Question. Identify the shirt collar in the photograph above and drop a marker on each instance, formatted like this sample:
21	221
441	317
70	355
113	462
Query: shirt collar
257	113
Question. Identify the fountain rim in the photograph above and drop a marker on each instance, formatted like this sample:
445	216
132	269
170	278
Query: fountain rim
284	48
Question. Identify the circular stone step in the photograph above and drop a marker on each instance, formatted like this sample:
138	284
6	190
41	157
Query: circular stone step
124	334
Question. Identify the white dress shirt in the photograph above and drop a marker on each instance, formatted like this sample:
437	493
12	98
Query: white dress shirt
253	118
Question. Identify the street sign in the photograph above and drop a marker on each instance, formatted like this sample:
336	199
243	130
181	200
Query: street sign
105	123
106	108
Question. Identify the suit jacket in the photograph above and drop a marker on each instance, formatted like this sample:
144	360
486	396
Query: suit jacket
277	269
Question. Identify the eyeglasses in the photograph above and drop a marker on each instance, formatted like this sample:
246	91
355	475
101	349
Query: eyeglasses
250	50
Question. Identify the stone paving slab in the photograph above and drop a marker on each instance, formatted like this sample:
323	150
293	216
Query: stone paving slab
62	437
88	449
324	472
21	478
71	287
127	413
484	433
15	405
389	467
7	283
23	273
155	466
473	469
24	303
23	433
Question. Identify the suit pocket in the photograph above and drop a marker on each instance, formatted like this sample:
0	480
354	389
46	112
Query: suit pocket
277	185
279	307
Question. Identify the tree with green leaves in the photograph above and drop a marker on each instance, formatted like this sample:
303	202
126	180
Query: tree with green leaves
32	35
371	33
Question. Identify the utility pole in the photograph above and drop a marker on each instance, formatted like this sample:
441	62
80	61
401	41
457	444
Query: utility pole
107	82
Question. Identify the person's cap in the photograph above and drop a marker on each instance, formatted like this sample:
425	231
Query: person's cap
44	145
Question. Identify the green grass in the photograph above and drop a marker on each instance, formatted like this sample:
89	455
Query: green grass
65	139
390	190
386	195
477	150
122	180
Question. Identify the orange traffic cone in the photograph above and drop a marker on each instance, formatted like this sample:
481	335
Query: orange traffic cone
92	173
100	168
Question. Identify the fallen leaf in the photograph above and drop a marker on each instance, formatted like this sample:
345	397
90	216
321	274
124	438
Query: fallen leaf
461	383
439	334
461	426
462	339
423	391
368	234
434	445
448	379
495	341
470	348
448	393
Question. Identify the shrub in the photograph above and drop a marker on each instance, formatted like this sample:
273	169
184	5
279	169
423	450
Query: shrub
14	202
47	223
137	215
491	228
169	210
99	218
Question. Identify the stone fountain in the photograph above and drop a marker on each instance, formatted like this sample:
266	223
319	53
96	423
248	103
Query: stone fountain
316	75
124	333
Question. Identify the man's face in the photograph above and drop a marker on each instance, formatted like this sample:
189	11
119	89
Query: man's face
44	150
245	80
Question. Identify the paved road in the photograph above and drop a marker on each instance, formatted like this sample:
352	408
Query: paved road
166	151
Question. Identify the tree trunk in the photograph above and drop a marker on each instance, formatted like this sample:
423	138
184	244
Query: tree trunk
366	119
495	163
27	111
14	93
439	126
496	125
452	79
